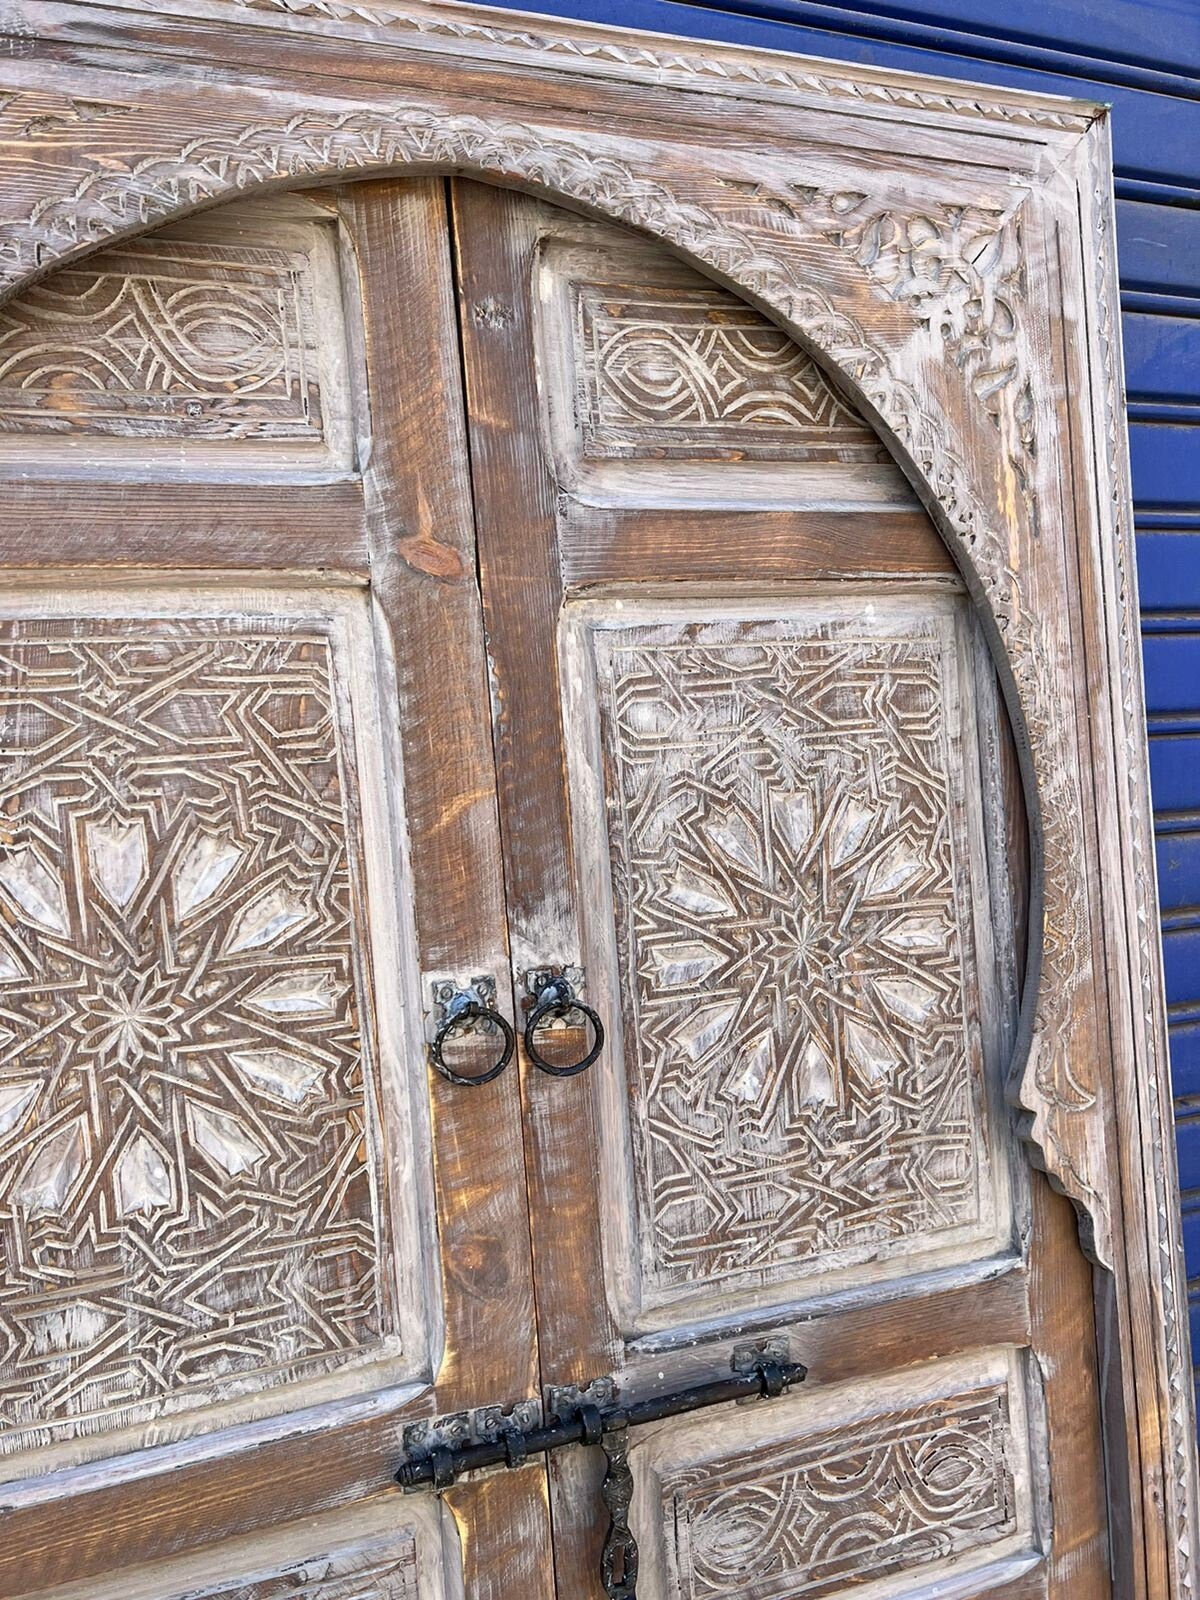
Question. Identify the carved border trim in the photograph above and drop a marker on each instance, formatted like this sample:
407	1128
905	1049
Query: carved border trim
1182	1487
736	69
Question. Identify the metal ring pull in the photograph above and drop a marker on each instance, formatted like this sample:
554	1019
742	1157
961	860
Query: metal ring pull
460	1010
556	997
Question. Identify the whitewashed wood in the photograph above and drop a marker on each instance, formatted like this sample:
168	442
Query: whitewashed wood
204	1091
214	346
718	181
368	1554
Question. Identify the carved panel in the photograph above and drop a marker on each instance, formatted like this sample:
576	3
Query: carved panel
661	388
693	371
792	877
186	1194
884	1495
223	332
370	1551
213	341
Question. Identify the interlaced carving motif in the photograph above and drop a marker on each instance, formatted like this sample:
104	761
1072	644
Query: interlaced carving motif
691	372
797	1521
791	944
185	1197
163	340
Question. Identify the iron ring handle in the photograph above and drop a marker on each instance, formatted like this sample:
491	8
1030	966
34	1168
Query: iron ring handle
471	1012
558	1005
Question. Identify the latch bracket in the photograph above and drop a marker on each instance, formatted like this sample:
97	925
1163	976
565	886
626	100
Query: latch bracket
438	1453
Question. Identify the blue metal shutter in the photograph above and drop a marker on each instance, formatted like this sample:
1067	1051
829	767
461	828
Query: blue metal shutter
1143	58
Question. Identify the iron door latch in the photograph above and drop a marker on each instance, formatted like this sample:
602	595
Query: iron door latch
437	1455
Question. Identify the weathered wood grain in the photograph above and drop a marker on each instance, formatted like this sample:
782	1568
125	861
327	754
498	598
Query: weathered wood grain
601	544
522	590
423	579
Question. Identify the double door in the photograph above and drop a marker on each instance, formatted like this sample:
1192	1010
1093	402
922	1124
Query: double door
419	598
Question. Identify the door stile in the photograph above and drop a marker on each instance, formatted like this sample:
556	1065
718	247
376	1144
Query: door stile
1062	1320
418	498
522	594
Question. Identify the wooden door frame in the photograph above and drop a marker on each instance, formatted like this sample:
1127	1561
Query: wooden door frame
946	254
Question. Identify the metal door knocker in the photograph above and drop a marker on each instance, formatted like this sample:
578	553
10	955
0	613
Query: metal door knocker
553	995
470	1009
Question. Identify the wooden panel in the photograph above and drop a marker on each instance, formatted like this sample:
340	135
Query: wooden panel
793	877
384	1570
225	332
624	544
273	527
193	1187
661	388
889	1483
689	370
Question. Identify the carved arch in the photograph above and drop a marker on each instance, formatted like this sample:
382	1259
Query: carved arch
930	302
846	240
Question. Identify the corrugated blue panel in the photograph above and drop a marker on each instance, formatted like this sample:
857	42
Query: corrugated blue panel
1168	571
1166	464
1175	772
1181	962
1143	58
1178	870
1173	671
1187	1142
1158	247
1162	35
1185	1065
1162	357
1192	1244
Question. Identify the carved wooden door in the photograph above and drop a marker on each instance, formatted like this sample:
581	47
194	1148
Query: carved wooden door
247	1237
411	585
755	781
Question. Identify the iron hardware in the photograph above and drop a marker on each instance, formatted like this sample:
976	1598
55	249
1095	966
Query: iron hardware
553	994
438	1454
472	1008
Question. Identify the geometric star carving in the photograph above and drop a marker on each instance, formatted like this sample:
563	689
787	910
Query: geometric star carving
788	875
186	1205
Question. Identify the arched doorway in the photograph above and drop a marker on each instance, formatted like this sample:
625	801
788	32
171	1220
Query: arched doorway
454	595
